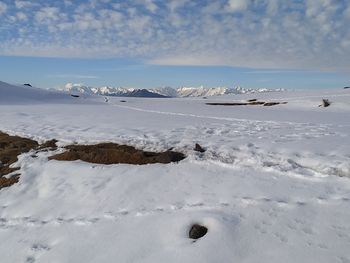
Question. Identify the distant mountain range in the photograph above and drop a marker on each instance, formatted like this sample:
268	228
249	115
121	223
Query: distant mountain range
162	92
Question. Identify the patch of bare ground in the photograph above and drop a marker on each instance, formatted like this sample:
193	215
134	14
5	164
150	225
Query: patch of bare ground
252	102
111	153
104	153
325	103
10	148
49	145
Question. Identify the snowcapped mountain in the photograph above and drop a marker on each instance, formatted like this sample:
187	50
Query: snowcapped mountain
203	92
110	91
165	91
160	91
77	88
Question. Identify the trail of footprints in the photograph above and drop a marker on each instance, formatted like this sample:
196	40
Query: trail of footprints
242	202
272	208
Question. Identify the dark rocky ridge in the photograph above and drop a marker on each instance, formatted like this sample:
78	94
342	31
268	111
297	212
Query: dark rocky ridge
140	93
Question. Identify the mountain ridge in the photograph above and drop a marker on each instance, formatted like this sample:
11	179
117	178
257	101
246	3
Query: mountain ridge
160	92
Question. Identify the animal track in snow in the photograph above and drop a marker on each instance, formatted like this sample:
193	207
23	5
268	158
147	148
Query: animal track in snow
270	206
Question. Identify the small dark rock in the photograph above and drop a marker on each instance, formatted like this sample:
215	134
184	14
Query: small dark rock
51	145
197	231
199	148
346	87
123	101
252	100
256	103
271	103
325	103
27	84
75	96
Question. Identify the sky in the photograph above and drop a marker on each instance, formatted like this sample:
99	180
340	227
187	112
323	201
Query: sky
150	43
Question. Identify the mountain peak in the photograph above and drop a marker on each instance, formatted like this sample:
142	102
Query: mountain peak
159	92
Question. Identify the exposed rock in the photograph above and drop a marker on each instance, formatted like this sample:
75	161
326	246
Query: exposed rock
141	93
6	182
197	231
346	87
27	84
253	103
75	96
104	153
111	153
252	100
256	103
325	103
199	148
271	103
49	145
227	103
122	100
10	148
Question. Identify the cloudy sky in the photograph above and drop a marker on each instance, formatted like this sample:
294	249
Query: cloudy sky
255	43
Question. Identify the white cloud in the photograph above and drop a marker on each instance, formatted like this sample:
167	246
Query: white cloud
22	4
21	16
47	14
347	11
175	4
272	6
281	34
67	2
3	8
150	5
238	5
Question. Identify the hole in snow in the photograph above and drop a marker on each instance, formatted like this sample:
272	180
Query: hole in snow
197	231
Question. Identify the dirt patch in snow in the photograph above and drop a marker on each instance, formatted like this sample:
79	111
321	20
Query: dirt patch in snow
252	102
111	153
104	153
49	145
10	148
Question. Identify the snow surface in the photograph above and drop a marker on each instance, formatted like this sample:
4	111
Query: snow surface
12	94
273	185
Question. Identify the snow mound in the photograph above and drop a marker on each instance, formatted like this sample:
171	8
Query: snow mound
17	94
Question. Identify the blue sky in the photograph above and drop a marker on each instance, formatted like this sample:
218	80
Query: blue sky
148	43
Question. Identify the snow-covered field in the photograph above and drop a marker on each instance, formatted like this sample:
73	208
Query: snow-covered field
273	185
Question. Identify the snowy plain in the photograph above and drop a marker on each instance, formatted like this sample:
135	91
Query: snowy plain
273	185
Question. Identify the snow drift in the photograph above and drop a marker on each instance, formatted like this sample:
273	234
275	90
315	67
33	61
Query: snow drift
23	94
